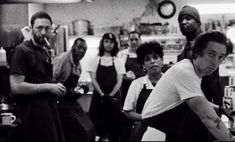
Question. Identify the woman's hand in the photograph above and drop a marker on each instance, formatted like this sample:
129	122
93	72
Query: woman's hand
130	75
110	98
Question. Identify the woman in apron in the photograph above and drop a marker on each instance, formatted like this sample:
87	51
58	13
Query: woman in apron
106	72
76	124
133	68
150	56
133	71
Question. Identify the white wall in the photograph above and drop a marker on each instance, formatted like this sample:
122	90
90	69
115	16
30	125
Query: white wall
33	8
105	12
117	12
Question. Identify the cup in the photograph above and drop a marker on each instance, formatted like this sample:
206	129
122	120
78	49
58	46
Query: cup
8	118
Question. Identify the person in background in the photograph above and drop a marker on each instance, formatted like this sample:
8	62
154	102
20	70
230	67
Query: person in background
133	71
106	71
190	26
177	106
33	87
67	69
150	56
133	68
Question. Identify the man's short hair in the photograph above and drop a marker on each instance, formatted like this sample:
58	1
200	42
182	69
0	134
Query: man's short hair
135	32
78	39
39	15
76	42
202	41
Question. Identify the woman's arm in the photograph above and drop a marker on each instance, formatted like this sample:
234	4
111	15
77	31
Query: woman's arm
95	84
132	115
117	85
203	109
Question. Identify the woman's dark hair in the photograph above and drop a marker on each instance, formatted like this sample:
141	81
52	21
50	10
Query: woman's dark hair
40	15
202	41
148	48
112	37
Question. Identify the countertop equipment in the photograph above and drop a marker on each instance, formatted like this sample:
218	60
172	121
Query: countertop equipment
5	107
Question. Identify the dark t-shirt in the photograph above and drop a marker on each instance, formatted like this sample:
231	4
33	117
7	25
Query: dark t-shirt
32	62
36	109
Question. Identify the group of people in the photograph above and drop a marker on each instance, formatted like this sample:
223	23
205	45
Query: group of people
45	91
130	91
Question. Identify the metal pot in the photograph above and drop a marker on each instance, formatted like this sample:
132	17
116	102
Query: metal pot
81	27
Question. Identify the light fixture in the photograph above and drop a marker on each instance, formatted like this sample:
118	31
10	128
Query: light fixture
88	0
219	8
40	1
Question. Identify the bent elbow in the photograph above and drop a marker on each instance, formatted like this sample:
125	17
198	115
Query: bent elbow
14	88
211	122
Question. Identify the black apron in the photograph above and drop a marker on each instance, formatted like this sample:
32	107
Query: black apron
144	94
134	131
39	112
180	124
133	65
76	124
104	114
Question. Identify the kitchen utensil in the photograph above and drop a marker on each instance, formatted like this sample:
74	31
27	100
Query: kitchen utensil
8	118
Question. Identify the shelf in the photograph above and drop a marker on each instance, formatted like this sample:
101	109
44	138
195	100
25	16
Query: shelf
160	36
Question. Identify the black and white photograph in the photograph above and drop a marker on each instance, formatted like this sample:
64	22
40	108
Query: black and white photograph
117	70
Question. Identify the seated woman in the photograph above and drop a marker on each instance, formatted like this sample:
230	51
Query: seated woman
150	56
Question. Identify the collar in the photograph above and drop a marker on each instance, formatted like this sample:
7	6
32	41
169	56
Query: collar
147	82
71	59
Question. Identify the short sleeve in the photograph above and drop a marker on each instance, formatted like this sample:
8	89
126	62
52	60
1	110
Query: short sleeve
19	61
123	55
188	85
58	66
120	66
93	64
132	96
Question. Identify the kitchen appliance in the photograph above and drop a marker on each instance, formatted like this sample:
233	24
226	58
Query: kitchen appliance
59	40
5	107
81	27
5	104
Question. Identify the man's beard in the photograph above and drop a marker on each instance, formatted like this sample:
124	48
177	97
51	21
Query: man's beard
39	40
187	32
